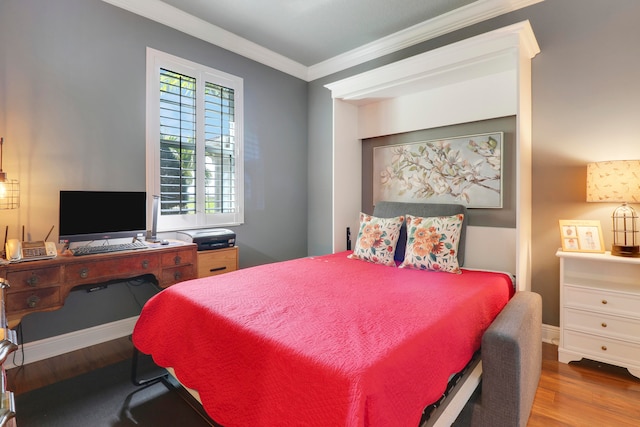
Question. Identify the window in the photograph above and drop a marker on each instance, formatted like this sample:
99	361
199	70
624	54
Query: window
194	143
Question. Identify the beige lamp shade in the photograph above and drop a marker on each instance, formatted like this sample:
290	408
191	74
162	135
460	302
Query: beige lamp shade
614	181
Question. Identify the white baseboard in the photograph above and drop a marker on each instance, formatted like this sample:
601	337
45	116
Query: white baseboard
550	334
61	344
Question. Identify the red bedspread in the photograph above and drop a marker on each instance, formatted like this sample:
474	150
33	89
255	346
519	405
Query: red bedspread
320	341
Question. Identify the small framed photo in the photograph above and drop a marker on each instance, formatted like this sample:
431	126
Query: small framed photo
581	236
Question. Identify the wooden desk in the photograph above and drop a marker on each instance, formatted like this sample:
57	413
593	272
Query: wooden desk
44	285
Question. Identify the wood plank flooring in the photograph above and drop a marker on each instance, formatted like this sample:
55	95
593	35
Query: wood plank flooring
584	393
48	371
579	394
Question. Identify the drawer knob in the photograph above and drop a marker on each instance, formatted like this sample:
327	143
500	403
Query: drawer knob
177	275
84	273
145	264
177	259
604	348
33	280
32	301
604	325
604	301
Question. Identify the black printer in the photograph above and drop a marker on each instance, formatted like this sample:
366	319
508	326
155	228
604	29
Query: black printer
208	238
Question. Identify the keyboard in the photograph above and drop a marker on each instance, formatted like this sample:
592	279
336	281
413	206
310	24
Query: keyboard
90	250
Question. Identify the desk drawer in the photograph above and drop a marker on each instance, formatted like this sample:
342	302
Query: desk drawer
177	258
34	300
94	271
170	276
211	263
28	279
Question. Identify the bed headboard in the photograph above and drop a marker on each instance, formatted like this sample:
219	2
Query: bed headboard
384	209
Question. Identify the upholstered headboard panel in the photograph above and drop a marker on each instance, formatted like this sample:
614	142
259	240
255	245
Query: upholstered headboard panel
385	209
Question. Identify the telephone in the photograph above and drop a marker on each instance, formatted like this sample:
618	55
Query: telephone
29	251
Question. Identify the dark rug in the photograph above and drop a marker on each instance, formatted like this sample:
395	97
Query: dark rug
105	397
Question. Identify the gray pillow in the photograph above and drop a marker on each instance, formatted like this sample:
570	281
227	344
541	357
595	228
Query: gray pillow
392	209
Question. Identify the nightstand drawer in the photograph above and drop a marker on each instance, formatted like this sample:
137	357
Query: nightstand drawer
217	261
602	324
602	301
600	348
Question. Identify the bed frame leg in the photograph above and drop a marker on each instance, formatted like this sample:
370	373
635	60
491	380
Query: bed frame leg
164	379
134	372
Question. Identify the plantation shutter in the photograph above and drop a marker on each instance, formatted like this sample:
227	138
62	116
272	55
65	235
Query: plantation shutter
178	146
177	143
220	192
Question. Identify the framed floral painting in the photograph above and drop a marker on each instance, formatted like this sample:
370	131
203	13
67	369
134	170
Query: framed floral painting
466	170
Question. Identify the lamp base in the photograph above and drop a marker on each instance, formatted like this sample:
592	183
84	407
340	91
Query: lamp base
628	251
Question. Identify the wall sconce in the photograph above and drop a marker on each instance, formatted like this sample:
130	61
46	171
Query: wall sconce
618	181
9	188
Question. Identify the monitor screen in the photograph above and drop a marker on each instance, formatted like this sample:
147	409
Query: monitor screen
98	215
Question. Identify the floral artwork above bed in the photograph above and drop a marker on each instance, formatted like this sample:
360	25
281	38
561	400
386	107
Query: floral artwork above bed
465	170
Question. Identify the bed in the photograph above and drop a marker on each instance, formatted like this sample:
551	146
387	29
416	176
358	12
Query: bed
356	338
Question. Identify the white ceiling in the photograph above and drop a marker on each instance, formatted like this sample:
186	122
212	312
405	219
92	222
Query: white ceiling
312	31
313	38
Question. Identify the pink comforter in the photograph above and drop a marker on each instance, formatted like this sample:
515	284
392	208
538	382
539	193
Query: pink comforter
320	341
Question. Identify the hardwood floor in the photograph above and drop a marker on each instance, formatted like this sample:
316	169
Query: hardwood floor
585	394
579	394
48	371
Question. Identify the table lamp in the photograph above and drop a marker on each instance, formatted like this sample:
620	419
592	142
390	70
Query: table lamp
618	181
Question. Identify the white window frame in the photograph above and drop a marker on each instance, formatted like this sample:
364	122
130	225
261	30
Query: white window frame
155	61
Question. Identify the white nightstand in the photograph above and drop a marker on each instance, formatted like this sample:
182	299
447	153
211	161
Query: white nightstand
600	309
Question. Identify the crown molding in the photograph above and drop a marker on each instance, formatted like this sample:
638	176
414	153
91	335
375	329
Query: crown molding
170	16
456	19
464	60
175	18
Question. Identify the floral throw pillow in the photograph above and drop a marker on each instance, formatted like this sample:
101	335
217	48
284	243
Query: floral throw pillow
377	239
432	243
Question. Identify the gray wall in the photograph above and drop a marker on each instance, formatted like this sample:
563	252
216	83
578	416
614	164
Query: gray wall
585	108
72	111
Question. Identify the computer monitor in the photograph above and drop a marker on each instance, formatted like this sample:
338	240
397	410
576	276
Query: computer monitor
100	215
